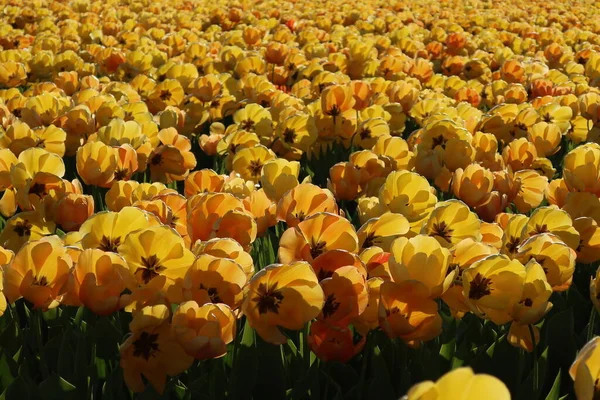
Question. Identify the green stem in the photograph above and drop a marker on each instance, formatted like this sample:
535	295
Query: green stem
236	342
536	367
93	378
39	317
592	324
520	365
304	349
326	381
365	361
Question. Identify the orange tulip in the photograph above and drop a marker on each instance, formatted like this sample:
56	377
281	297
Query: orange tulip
407	312
315	235
203	331
333	343
100	279
215	280
151	350
346	296
286	296
336	99
38	272
73	210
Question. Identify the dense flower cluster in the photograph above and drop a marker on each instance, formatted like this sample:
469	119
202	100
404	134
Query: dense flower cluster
469	175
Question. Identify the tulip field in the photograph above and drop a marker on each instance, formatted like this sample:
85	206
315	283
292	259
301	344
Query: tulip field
299	199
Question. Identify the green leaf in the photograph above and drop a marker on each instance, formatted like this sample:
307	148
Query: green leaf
52	351
447	350
8	370
56	388
108	345
218	379
18	389
303	385
560	340
79	316
343	374
461	355
64	365
114	388
270	380
381	384
331	383
245	365
179	391
526	390
555	391
10	336
100	368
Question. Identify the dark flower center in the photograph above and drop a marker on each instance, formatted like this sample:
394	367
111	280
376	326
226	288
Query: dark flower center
442	230
324	274
120	174
39	189
334	111
23	228
289	135
165	95
156	159
213	294
268	299
369	240
247	125
152	268
480	287
527	302
40	281
317	249
108	244
539	229
365	134
146	345
173	221
255	167
392	311
438	141
301	216
512	244
330	306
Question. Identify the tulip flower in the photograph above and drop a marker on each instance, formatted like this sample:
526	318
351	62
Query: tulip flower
286	296
152	351
460	382
38	272
585	370
203	331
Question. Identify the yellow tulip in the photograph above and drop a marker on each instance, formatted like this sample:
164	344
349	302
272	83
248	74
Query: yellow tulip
493	286
585	371
423	259
151	351
278	177
407	312
460	383
158	258
451	221
38	272
203	331
286	296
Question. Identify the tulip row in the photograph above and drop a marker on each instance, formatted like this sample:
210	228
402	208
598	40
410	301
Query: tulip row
283	200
